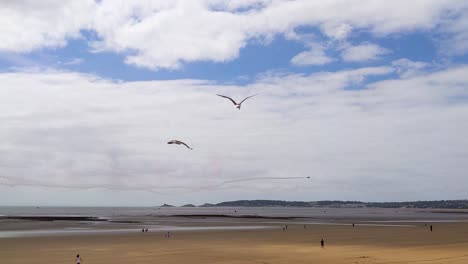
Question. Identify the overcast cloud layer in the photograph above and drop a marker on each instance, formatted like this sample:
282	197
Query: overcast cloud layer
395	139
357	115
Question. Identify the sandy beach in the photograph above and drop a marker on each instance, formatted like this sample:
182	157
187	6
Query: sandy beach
404	243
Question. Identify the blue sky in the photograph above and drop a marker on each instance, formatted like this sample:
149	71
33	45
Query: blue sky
368	100
255	58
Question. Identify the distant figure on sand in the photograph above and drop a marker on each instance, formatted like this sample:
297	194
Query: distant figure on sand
146	230
305	227
78	259
142	230
431	228
353	224
322	242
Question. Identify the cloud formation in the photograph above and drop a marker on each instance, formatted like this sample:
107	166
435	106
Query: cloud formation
28	25
65	129
167	34
363	52
315	56
367	118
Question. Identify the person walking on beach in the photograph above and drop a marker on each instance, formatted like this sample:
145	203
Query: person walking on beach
431	228
322	243
78	259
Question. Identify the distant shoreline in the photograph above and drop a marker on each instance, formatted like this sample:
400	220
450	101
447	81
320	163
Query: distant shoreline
430	204
435	204
252	213
55	218
51	218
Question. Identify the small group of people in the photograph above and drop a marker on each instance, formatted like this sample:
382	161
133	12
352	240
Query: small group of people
144	230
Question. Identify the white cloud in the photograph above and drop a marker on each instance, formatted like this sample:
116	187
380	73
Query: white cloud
407	68
68	129
27	25
239	5
167	34
363	52
334	31
456	41
315	56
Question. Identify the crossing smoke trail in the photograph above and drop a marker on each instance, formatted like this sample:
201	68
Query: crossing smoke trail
260	178
15	181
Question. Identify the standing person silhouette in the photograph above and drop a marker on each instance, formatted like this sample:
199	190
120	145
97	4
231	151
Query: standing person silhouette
431	228
78	259
322	243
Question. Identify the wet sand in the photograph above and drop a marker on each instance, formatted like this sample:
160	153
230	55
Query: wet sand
343	244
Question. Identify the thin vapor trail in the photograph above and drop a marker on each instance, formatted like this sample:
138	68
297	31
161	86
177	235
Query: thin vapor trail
261	178
15	181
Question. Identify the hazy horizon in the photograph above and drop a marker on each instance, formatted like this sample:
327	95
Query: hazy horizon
214	203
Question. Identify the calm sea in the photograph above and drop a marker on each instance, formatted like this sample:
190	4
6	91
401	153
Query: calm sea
163	219
319	213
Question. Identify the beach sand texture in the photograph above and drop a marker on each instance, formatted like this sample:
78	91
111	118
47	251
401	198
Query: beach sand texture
343	244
